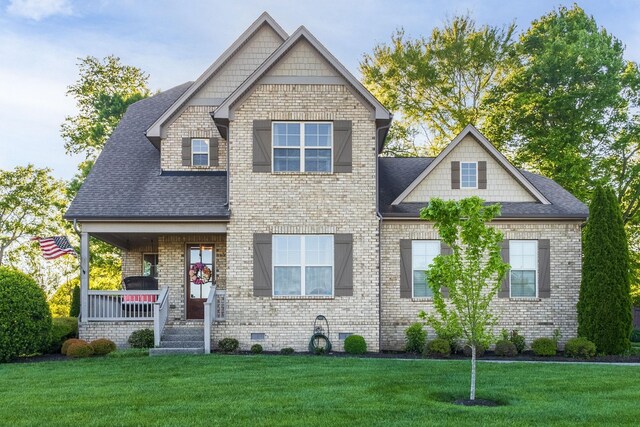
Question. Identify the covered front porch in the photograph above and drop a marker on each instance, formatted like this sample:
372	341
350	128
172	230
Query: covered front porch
178	278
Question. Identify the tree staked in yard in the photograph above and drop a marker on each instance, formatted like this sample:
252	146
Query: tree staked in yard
604	306
472	273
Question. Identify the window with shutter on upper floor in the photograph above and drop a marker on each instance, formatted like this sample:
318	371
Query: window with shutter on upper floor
302	146
199	152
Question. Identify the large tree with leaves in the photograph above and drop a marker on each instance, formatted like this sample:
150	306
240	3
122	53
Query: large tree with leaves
472	273
436	85
604	306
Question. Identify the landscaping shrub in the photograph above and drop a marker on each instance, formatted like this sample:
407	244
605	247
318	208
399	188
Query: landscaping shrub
62	328
228	345
415	338
439	347
67	343
102	346
544	347
505	348
75	302
580	347
79	349
287	351
355	344
142	338
635	335
256	349
479	350
518	340
25	320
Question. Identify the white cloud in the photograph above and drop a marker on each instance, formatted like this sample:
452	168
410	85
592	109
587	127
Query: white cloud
39	9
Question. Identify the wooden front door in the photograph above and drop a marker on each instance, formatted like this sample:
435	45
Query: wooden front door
200	277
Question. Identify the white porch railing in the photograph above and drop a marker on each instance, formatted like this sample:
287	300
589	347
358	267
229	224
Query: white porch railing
214	310
122	305
160	315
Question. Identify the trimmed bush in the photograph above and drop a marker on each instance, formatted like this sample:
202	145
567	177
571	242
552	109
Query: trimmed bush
228	345
287	351
580	347
355	344
25	320
67	343
544	347
604	304
79	349
142	338
102	346
62	328
479	350
439	347
256	349
518	340
635	335
74	311
415	337
505	348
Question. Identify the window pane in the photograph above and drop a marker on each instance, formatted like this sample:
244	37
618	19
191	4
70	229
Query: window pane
319	250
200	159
317	160
468	175
286	160
523	283
286	134
286	281
286	250
318	280
420	287
422	253
523	254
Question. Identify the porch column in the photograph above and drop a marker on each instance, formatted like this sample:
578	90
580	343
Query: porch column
84	276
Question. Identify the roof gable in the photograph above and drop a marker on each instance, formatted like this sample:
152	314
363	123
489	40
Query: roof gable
523	189
224	112
155	131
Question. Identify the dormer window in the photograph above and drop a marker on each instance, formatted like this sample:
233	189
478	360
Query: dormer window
199	152
468	174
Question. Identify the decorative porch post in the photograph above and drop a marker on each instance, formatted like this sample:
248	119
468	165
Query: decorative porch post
84	276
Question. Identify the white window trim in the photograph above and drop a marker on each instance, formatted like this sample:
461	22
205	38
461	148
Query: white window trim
536	265
461	181
413	269
302	146
149	253
206	141
302	265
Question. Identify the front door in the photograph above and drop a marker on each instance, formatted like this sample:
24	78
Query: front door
200	277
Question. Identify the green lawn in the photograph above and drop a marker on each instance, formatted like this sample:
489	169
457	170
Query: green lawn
304	390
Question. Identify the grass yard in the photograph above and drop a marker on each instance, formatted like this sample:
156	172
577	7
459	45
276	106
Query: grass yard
304	390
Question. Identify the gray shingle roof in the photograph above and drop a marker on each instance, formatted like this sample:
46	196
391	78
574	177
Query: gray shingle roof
397	173
126	182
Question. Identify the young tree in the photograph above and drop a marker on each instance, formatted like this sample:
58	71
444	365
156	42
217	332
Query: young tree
472	273
31	204
436	85
604	305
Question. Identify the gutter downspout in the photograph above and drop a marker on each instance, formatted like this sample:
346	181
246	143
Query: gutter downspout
228	204
379	215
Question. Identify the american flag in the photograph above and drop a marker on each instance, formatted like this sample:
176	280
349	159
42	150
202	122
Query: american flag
54	247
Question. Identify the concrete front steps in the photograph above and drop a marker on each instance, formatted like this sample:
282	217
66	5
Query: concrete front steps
178	339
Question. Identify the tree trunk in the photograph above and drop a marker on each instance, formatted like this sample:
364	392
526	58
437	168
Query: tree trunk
1	254
473	372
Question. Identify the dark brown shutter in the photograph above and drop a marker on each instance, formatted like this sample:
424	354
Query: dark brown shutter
262	145
213	151
544	268
262	283
405	269
504	289
482	175
186	151
342	146
343	264
445	250
455	175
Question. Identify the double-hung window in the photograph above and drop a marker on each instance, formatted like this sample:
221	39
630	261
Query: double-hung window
468	175
302	146
422	254
302	265
199	152
523	258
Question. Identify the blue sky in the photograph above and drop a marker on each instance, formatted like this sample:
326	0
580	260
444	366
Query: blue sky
174	41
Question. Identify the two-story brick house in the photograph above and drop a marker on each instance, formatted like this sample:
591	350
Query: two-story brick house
257	197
